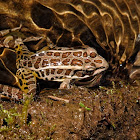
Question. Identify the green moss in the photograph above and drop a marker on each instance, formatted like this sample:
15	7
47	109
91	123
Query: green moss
83	106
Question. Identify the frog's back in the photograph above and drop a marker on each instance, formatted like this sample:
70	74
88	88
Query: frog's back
60	63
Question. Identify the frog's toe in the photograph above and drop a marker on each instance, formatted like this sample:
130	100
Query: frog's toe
65	84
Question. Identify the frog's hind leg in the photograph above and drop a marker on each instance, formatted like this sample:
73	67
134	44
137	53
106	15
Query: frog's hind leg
27	81
27	85
8	92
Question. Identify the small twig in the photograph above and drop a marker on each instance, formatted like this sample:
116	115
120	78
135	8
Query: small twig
58	99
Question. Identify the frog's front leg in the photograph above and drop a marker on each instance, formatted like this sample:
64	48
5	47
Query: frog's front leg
9	38
65	84
27	81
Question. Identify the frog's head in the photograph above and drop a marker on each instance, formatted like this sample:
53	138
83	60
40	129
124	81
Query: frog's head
93	67
97	63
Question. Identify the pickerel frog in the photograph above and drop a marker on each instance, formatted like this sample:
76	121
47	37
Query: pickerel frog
55	64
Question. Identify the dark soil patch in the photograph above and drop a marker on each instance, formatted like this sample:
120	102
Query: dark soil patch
105	113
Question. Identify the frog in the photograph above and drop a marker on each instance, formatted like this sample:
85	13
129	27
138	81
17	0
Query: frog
61	64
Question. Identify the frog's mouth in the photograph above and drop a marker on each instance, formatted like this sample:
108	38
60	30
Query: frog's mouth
90	81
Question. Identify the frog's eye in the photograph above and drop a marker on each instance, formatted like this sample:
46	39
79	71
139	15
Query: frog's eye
90	71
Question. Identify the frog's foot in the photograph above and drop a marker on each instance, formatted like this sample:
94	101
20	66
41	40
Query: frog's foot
65	84
135	71
7	40
8	92
27	81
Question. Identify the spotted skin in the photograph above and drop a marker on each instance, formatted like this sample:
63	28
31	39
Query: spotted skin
11	92
55	64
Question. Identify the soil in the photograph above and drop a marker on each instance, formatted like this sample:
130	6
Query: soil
103	113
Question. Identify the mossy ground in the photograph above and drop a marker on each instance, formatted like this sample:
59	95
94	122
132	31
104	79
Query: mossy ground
110	113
